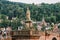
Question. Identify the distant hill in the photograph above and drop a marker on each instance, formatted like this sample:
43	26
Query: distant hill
15	9
51	13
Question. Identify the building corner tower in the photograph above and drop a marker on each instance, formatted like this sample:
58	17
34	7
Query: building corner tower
28	22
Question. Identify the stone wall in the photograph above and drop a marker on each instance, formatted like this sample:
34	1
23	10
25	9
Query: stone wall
40	36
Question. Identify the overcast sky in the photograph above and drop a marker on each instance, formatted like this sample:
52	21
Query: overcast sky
36	1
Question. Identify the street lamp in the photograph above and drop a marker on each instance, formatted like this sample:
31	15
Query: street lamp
46	32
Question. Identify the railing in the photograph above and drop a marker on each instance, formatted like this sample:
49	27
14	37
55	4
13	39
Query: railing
35	33
25	32
19	33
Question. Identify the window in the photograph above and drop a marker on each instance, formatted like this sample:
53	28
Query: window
54	38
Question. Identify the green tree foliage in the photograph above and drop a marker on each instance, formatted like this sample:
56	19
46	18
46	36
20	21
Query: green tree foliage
51	12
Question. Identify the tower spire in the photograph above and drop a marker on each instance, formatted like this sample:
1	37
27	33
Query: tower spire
28	14
28	22
43	21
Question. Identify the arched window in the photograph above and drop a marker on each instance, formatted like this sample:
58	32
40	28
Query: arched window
54	38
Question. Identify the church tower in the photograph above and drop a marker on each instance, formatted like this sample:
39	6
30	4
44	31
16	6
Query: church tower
28	14
28	22
43	22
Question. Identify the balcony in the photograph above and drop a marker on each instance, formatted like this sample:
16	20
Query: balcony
25	33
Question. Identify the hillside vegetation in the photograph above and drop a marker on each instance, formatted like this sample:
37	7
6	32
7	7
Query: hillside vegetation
51	12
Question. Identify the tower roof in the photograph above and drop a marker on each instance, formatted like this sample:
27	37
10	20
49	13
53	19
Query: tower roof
28	14
43	21
28	11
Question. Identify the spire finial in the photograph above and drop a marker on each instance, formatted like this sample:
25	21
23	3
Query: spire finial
43	18
28	14
27	8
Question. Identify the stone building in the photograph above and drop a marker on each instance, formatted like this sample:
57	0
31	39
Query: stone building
4	34
28	22
35	34
30	33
